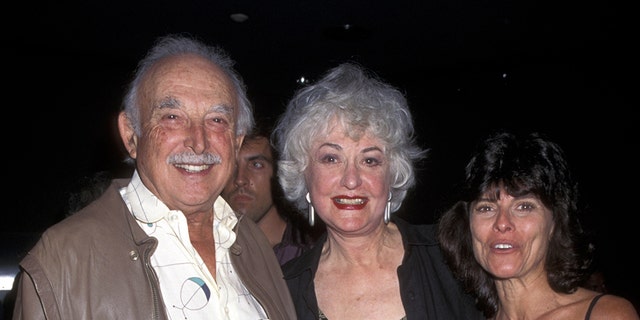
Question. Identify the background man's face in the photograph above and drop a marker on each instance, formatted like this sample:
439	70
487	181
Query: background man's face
248	192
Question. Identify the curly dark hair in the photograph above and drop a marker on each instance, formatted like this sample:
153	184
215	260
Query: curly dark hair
530	164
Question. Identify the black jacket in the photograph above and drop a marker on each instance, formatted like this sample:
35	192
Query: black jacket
427	287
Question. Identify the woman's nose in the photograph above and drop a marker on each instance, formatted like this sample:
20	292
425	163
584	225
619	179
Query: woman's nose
503	222
351	177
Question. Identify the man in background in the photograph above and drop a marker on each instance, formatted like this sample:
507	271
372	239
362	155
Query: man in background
254	192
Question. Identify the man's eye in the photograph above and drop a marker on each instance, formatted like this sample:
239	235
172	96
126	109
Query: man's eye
218	120
258	165
217	124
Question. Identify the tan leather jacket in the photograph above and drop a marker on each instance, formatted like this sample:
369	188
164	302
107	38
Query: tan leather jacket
95	265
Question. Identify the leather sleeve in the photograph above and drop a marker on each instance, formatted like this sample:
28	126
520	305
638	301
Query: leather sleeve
29	304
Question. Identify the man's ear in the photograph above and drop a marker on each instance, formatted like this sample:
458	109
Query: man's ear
128	134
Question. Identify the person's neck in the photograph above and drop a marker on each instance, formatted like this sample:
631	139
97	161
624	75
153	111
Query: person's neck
374	249
273	226
525	299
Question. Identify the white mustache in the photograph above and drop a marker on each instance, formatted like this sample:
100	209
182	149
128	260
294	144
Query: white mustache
192	158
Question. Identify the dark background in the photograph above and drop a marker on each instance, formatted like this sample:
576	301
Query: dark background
467	67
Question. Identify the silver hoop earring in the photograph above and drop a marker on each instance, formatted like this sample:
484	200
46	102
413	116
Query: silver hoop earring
312	212
387	210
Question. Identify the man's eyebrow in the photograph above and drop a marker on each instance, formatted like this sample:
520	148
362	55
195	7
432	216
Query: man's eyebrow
221	108
168	102
259	157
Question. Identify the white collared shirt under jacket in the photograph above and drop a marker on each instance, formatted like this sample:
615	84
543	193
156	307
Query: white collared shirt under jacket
189	290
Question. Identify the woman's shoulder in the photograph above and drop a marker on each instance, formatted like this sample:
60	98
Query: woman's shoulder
612	307
590	305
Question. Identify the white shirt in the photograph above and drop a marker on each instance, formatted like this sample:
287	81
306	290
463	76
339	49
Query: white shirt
188	288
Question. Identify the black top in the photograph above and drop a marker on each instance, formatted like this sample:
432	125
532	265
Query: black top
427	287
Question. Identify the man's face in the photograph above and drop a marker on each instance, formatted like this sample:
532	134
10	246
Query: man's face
248	192
186	151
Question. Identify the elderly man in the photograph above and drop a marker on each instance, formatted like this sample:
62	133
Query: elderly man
164	244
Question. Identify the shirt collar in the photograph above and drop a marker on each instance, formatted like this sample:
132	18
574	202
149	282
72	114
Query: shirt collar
147	208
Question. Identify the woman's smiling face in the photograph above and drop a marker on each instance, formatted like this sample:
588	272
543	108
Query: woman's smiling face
510	234
348	180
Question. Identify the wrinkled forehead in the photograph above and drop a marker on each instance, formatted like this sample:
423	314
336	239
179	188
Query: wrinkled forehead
189	73
185	64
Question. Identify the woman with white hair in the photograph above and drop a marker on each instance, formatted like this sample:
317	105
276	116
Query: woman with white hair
348	152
